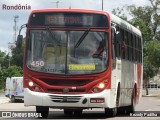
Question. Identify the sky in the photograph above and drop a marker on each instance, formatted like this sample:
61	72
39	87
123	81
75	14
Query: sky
7	16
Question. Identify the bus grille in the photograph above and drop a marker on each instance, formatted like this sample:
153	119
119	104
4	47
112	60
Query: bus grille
78	90
62	82
65	99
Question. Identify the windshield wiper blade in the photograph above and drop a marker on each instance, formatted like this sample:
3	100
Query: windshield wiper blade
52	36
82	38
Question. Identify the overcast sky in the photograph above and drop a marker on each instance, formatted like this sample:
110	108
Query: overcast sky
7	16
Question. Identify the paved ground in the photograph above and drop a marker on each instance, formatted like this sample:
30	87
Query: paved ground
147	106
152	92
3	99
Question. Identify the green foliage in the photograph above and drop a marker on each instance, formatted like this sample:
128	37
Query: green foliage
145	29
153	53
11	71
148	69
11	66
2	55
120	13
4	59
17	56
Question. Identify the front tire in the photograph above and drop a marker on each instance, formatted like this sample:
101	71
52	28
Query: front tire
13	99
110	112
43	110
131	108
68	112
78	112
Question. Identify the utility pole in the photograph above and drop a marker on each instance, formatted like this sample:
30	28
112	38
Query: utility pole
102	5
70	6
12	45
15	27
57	2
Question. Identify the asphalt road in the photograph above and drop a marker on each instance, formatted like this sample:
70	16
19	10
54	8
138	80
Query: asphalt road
147	106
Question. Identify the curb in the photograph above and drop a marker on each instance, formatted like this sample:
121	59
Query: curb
151	95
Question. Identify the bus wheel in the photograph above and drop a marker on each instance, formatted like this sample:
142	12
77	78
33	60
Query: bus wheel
68	112
13	99
78	112
121	111
131	108
43	110
110	112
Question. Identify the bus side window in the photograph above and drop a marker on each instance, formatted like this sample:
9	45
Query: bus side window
132	47
140	50
118	44
113	44
136	49
126	45
123	44
129	47
134	56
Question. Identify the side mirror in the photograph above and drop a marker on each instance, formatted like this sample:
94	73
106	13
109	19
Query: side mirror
118	37
20	37
19	41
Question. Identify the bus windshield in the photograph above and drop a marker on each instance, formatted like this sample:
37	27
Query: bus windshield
57	51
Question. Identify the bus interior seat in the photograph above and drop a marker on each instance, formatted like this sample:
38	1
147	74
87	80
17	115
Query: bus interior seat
49	54
54	54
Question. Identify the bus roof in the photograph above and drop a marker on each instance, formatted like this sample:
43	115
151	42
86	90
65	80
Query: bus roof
68	10
124	24
113	18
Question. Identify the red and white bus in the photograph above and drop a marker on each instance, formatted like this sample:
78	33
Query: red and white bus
78	59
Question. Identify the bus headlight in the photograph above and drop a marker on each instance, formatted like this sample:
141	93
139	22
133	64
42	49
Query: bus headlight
100	87
33	86
30	83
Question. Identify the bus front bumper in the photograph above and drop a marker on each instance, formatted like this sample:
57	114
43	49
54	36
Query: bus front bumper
94	100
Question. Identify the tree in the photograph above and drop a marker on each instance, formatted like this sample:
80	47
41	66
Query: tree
17	55
3	58
11	66
150	17
2	55
9	72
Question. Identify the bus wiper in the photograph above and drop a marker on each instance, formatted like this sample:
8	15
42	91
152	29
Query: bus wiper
52	36
82	38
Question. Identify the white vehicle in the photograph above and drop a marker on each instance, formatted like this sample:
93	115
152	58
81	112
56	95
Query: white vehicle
14	88
7	86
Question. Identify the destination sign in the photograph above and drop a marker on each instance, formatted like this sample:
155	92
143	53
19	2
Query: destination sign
68	19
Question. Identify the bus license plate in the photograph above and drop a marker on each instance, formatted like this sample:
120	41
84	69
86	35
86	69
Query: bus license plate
97	100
